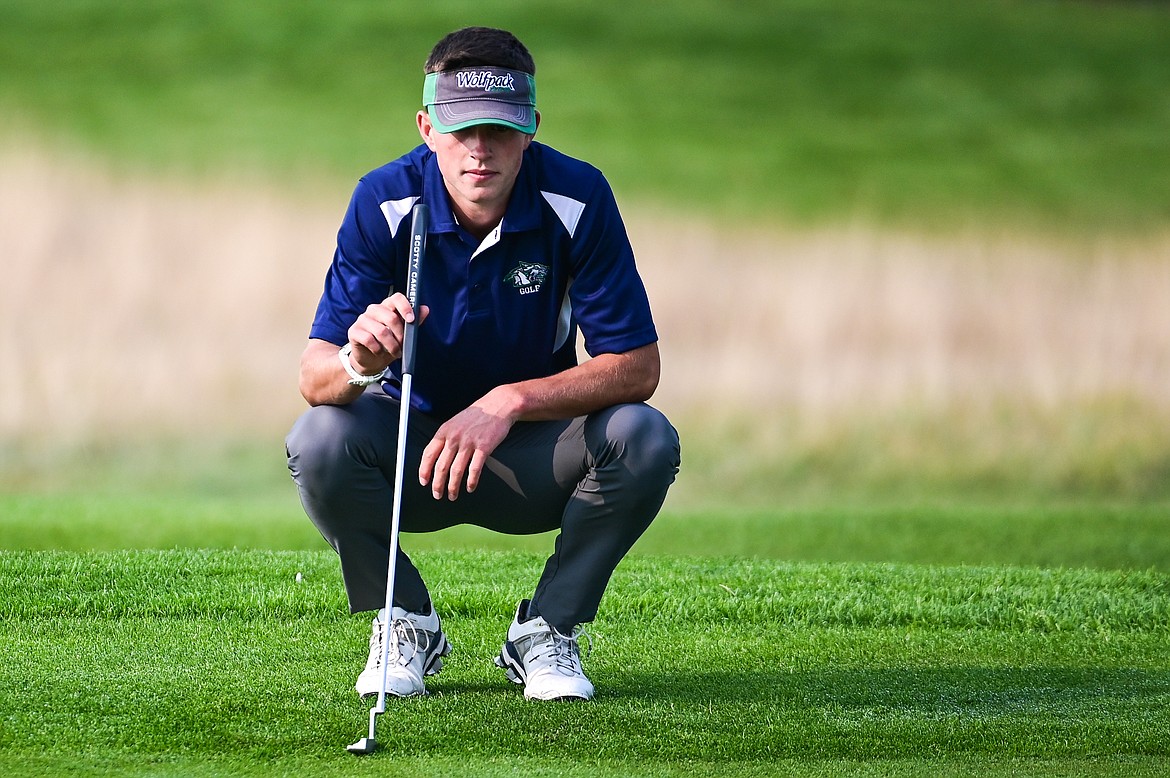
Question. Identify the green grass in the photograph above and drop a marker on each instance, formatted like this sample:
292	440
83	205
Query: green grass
168	494
165	495
911	112
213	663
837	638
1094	534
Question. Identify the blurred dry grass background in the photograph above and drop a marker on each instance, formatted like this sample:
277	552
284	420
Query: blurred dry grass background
148	308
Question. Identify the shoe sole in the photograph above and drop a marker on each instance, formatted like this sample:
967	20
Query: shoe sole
433	666
510	664
513	668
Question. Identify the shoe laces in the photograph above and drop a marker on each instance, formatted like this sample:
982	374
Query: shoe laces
402	631
565	650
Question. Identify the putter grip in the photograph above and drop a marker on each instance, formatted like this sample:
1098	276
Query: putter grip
418	249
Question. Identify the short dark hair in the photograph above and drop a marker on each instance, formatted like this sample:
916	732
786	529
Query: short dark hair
472	46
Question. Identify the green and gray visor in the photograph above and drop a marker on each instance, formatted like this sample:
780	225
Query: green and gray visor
456	99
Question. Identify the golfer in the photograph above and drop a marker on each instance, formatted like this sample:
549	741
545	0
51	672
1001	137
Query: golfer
507	431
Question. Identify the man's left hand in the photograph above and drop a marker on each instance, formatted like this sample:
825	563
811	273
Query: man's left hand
460	448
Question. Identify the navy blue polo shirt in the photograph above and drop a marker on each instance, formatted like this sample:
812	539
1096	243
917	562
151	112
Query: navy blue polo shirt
503	310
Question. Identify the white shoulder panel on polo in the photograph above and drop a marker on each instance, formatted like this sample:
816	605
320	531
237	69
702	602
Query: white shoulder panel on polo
395	211
567	210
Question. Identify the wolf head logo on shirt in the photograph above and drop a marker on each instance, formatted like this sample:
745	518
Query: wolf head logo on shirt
527	277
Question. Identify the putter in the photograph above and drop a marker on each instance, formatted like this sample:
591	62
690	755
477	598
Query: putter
418	244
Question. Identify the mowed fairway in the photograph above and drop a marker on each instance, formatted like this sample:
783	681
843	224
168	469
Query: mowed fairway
222	663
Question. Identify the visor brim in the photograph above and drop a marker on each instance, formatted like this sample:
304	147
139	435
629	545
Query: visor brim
449	117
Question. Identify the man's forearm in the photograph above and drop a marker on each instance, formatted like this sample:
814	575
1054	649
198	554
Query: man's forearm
605	380
323	381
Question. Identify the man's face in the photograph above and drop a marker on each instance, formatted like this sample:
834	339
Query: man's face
479	166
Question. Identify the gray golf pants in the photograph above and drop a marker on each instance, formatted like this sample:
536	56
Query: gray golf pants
600	479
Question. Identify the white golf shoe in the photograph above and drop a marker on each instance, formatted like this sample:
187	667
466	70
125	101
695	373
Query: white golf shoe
545	661
417	648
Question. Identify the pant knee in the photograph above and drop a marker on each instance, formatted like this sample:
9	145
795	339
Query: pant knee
643	438
319	440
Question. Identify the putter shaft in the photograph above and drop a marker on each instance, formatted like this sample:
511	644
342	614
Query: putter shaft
417	248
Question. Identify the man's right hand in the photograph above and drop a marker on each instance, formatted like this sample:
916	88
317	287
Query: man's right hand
378	333
376	341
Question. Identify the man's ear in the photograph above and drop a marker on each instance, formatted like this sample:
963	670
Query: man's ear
425	128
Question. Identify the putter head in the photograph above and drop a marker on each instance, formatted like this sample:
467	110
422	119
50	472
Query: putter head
366	745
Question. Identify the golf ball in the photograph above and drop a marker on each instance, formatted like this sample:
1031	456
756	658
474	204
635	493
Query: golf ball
300	578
